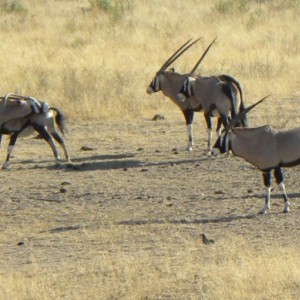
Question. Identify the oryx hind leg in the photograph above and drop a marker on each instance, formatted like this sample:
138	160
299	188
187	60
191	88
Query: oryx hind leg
219	125
60	140
47	137
189	117
279	179
209	132
57	137
10	148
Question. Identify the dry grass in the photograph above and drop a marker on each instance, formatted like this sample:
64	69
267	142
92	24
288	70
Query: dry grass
95	58
96	64
141	263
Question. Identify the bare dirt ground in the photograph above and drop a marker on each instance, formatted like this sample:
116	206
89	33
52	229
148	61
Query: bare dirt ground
132	176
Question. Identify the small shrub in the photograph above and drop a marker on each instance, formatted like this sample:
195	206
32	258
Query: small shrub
14	6
114	8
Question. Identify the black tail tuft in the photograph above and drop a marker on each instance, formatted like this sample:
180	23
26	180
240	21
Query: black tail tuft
59	119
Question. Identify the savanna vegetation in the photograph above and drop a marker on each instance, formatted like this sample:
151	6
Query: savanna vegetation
94	59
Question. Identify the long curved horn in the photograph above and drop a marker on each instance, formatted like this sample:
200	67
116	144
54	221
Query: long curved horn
202	57
233	122
178	53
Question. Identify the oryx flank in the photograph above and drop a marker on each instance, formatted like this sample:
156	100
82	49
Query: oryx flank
170	83
20	116
266	148
216	96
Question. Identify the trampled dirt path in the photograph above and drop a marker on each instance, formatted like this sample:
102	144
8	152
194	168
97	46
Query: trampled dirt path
132	176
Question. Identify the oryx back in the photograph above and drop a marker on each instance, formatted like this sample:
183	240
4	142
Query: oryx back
256	145
288	147
14	109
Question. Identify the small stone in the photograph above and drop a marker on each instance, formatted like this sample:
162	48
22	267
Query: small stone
21	243
63	190
158	117
219	192
86	148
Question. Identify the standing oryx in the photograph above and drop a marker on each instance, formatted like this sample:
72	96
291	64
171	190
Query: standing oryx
217	96
266	148
170	83
21	116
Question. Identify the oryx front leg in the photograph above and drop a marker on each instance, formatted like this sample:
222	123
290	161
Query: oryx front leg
189	116
267	182
10	148
279	179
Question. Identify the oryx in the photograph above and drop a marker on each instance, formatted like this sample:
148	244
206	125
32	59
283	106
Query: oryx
170	83
217	96
266	148
20	116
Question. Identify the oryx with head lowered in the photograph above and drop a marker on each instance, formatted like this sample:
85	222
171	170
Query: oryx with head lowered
170	83
266	148
20	116
216	96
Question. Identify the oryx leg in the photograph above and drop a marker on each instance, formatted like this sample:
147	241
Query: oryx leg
267	182
219	125
58	138
10	148
209	132
47	137
189	116
279	179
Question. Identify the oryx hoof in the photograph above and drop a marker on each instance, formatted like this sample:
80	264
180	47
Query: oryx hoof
189	148
209	153
286	210
5	166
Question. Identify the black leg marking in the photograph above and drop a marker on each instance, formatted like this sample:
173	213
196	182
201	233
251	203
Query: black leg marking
47	137
189	117
279	179
278	175
219	124
11	145
267	182
60	140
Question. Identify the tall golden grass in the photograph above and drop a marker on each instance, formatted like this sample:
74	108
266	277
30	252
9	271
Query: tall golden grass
94	59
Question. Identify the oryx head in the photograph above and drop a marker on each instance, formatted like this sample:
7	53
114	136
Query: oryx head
222	144
186	90
155	85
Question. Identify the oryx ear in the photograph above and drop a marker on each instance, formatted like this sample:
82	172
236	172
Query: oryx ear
172	70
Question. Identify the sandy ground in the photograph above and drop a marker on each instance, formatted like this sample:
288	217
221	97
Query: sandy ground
132	175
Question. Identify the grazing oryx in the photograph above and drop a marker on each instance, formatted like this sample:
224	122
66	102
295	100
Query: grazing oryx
266	148
21	116
170	83
216	96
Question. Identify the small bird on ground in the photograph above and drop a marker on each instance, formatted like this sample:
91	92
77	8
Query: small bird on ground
205	240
